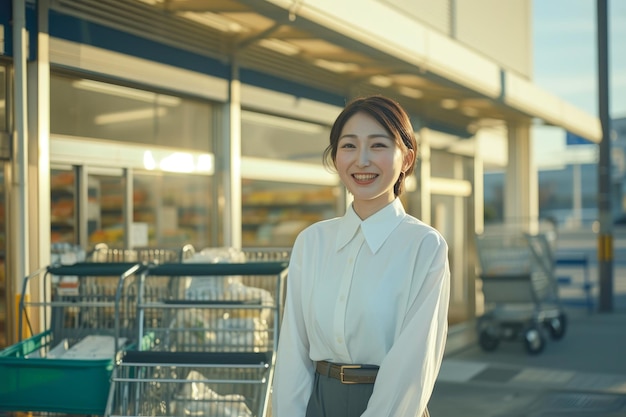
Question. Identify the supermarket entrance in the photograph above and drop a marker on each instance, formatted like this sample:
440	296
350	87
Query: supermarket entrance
129	207
78	212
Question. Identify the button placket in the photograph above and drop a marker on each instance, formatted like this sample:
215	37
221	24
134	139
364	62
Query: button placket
347	276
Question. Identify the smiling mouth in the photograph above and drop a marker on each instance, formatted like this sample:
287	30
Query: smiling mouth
364	177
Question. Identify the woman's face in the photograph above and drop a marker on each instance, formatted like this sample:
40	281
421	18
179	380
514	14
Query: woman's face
369	163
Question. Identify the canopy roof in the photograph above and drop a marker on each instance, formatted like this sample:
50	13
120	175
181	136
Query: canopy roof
446	85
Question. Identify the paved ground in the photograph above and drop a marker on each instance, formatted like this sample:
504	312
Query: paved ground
582	375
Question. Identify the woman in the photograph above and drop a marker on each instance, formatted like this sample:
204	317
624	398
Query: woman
365	319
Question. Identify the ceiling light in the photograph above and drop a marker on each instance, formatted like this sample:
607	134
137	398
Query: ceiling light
381	81
214	21
281	122
410	92
129	116
449	103
334	66
126	92
279	46
469	111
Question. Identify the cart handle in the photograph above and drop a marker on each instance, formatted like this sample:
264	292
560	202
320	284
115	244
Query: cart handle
82	269
506	277
191	358
211	269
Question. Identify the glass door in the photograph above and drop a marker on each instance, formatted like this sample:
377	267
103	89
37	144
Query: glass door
105	207
4	296
63	206
172	210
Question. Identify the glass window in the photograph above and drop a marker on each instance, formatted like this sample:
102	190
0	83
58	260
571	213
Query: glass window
4	296
5	137
265	136
3	99
93	109
63	203
274	213
105	214
167	209
442	165
175	209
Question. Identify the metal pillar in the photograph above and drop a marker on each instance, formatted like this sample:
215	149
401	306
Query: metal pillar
605	236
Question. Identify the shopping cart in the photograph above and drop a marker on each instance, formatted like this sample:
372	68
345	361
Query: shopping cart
103	253
520	291
214	341
89	316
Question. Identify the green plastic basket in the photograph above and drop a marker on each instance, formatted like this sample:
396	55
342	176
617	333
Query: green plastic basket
68	386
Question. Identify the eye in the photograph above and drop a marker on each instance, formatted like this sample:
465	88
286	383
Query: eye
346	145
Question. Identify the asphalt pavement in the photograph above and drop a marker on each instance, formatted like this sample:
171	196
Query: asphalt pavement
581	375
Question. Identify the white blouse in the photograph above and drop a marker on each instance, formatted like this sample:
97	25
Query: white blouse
371	291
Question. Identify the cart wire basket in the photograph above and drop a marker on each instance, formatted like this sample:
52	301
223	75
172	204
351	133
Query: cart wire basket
520	290
214	335
103	253
88	314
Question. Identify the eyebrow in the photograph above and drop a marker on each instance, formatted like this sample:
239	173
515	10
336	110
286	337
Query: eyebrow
374	136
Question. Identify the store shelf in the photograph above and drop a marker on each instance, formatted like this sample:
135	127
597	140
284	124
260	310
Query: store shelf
275	217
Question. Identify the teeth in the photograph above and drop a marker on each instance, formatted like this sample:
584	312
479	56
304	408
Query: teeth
364	177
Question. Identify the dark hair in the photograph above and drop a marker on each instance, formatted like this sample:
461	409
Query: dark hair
391	116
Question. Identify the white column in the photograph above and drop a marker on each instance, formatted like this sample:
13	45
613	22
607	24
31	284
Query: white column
38	209
521	205
425	192
18	250
479	187
39	143
231	157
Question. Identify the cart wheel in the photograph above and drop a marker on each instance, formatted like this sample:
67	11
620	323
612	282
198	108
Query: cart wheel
488	341
534	341
557	326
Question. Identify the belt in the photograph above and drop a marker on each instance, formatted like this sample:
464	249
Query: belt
348	374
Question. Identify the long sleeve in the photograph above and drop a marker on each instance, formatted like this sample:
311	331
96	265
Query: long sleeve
293	379
408	372
365	292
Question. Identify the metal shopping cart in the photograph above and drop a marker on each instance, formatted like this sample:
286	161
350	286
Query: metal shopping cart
214	341
103	253
520	290
88	313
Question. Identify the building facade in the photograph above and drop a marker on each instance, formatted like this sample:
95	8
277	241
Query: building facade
162	123
568	195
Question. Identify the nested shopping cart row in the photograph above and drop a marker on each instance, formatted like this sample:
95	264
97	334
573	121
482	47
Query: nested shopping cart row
199	336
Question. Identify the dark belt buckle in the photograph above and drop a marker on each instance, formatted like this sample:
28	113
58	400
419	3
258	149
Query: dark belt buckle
342	373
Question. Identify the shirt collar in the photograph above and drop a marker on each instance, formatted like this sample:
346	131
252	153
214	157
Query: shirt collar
376	228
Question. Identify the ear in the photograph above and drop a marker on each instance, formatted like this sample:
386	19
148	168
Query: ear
409	159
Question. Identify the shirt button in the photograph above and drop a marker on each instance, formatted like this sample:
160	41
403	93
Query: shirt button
342	298
350	260
339	340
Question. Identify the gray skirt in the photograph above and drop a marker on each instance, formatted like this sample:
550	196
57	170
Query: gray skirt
331	398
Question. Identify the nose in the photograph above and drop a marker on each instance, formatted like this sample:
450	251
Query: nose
364	158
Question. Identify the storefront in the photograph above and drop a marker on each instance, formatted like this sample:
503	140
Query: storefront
164	127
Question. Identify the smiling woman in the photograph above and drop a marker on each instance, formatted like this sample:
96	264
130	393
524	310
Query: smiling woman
369	163
367	290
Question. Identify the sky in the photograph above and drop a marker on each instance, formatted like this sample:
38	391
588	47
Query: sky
565	64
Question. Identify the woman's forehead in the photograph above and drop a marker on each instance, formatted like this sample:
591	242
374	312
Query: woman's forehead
363	124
